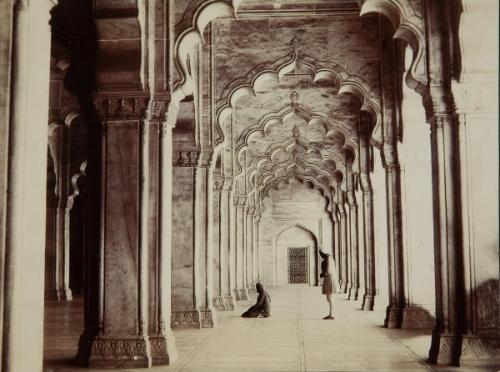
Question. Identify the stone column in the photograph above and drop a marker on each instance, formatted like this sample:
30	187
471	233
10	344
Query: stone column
336	237
225	300
446	338
250	280
343	261
465	195
226	255
256	255
163	341
24	39
187	235
353	221
240	248
218	300
366	187
203	244
397	300
126	321
233	248
122	336
57	239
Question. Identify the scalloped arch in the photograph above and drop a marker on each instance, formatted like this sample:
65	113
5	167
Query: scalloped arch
408	26
349	84
278	117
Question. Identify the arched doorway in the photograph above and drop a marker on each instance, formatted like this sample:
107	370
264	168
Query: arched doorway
296	256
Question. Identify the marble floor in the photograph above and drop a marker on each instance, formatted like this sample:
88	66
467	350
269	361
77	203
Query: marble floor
295	338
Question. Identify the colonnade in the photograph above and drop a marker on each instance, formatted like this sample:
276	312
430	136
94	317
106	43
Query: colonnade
129	251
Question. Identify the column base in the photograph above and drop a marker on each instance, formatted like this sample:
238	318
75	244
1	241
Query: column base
353	294
208	318
243	295
236	295
251	289
392	317
163	350
445	349
219	303
417	318
344	287
480	351
58	294
120	353
229	303
368	302
185	319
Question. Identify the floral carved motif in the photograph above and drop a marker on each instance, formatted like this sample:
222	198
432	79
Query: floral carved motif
119	348
185	319
185	158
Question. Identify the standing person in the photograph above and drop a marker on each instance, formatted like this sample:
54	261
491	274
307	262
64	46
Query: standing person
328	283
263	305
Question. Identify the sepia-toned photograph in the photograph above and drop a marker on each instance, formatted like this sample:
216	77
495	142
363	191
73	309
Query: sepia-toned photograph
249	186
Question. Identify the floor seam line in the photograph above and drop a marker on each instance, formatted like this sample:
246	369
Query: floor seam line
203	343
301	336
415	355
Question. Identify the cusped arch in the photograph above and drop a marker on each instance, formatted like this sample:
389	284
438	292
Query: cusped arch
408	24
349	84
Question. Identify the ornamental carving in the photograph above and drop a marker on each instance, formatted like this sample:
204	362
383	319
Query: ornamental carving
240	200
207	319
117	108
439	101
155	111
488	316
185	158
417	319
159	348
185	319
219	303
229	303
119	348
480	348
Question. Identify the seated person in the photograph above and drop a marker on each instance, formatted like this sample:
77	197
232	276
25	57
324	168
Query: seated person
263	305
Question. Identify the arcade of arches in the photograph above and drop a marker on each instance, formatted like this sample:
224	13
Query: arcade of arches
159	158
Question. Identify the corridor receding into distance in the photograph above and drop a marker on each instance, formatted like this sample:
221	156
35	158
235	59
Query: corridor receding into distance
167	166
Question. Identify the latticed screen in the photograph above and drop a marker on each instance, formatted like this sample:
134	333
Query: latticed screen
298	265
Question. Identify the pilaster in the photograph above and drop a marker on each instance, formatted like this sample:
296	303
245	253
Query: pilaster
130	337
203	249
343	261
368	215
353	229
446	338
242	290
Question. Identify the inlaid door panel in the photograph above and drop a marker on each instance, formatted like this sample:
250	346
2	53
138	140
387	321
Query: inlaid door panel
298	265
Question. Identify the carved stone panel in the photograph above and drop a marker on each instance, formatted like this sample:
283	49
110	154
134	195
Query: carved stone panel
298	265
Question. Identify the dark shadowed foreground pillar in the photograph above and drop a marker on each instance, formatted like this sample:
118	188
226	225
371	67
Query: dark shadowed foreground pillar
120	302
366	187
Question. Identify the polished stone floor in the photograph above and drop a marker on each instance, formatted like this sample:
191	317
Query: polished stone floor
295	338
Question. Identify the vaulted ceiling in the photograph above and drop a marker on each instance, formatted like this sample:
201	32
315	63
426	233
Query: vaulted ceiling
288	94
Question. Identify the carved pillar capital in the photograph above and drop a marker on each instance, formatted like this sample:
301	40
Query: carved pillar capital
365	182
438	103
155	111
205	158
239	200
118	108
185	158
390	156
251	210
227	184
